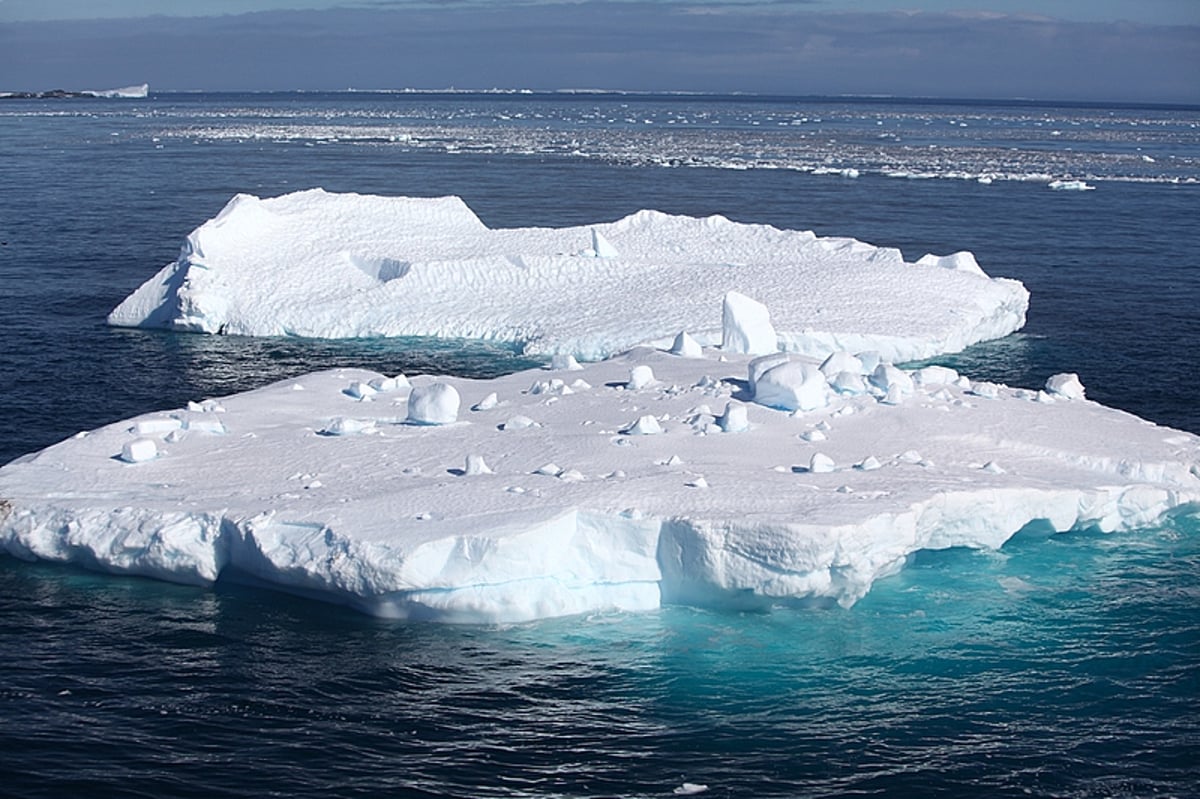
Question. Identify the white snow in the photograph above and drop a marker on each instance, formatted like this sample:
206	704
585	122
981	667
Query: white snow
328	265
489	520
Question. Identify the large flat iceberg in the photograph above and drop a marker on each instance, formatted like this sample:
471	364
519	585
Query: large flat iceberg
328	265
644	479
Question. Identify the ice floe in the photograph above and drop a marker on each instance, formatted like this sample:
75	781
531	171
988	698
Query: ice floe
328	265
541	504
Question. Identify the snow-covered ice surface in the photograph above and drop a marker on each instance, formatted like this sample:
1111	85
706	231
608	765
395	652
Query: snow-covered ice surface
552	492
328	265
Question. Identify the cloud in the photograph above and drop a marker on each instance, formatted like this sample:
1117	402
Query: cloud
785	49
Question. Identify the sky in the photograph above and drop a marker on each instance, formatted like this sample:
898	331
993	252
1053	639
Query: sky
1082	50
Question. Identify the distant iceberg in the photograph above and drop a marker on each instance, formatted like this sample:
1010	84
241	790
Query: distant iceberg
723	480
328	265
129	92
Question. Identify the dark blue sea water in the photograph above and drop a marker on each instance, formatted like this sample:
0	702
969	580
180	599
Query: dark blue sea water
1060	666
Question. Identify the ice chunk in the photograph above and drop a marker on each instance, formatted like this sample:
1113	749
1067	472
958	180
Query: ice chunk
476	465
1065	385
842	361
391	534
435	403
686	347
640	377
139	450
564	362
961	261
792	386
746	326
734	419
645	426
318	264
888	379
601	246
820	463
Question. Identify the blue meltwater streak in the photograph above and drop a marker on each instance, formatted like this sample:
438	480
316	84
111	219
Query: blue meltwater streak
1062	666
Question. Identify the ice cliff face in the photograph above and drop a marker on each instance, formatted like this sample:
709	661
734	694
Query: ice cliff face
643	479
346	265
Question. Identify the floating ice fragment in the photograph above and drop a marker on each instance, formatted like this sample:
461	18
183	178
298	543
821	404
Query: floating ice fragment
1065	385
139	450
433	404
690	789
1070	185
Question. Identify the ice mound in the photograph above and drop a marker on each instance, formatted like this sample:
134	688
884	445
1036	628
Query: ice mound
347	265
546	503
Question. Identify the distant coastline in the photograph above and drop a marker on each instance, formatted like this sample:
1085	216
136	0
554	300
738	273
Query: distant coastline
128	92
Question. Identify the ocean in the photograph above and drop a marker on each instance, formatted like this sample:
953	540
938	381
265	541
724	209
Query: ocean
1066	665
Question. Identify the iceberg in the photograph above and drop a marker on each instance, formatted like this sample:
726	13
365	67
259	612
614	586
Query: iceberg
326	265
547	497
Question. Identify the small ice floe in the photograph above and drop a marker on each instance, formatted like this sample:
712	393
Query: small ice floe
139	450
1070	185
433	404
690	789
